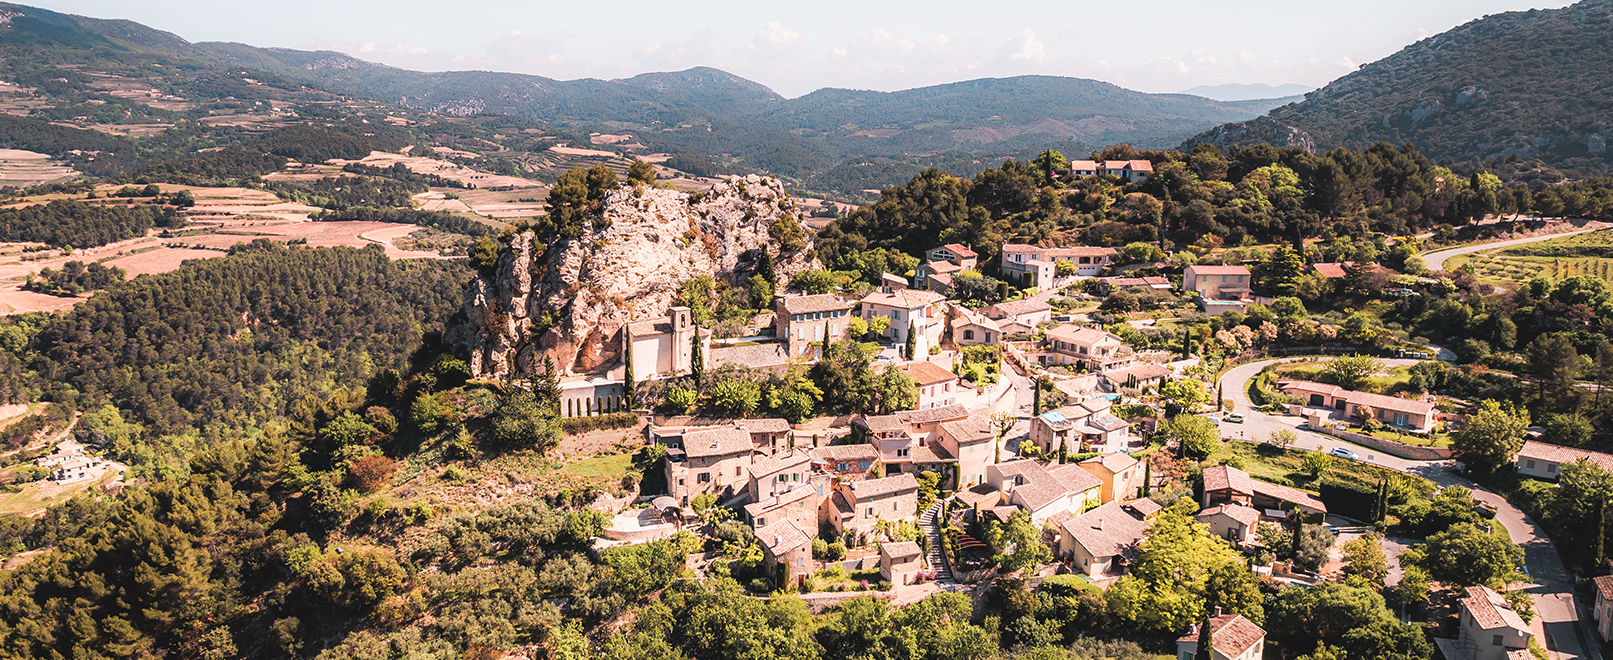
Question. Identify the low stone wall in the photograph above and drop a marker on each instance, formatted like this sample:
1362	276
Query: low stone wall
1391	447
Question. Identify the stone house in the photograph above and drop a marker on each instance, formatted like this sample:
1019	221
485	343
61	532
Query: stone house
1080	428
1035	266
800	505
1044	492
788	549
1103	541
1225	484
970	328
1084	347
1141	376
909	311
1019	316
1121	475
771	475
906	440
769	435
1221	288
1416	415
803	323
971	441
705	460
846	461
1234	522
1602	613
901	562
945	261
1489	628
1231	638
937	387
857	506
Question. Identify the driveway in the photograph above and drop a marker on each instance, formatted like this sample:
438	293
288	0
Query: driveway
1557	620
1436	259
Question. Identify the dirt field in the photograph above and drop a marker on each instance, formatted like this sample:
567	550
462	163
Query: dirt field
490	203
447	170
26	168
160	260
386	235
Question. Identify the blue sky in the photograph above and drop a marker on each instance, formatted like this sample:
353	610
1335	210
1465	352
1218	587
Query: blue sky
796	47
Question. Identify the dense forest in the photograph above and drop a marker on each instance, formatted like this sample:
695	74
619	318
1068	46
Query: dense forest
1523	83
68	223
1208	198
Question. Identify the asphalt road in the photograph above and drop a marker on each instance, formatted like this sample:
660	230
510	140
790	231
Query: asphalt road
1436	259
1557	622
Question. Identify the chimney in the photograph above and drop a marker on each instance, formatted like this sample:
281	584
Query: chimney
1218	610
1100	524
779	538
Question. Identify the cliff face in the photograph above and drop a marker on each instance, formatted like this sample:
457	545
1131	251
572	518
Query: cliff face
569	300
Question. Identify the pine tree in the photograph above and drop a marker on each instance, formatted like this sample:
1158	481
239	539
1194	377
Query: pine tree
765	268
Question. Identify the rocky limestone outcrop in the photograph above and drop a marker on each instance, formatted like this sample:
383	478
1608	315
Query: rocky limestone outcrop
570	300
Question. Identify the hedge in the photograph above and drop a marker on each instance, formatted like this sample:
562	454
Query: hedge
1349	499
616	420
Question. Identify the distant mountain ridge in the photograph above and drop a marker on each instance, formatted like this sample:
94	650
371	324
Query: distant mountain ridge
702	113
1530	85
1248	92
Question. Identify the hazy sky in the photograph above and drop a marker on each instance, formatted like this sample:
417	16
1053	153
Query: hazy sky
796	47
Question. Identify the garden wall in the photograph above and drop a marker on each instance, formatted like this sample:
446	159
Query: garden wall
1391	447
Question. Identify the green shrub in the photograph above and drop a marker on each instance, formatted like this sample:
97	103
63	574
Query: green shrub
616	420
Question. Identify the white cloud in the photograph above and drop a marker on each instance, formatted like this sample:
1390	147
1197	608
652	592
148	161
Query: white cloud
690	51
775	42
1026	49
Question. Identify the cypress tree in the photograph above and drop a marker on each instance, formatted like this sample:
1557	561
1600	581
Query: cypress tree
627	379
1206	647
697	362
1148	478
1598	552
912	341
1036	399
1064	454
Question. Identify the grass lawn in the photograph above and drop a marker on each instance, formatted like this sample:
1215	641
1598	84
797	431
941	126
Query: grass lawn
611	468
28	501
1393	379
1283	466
1438	440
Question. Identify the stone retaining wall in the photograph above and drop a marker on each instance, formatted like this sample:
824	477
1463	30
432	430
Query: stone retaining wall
1391	447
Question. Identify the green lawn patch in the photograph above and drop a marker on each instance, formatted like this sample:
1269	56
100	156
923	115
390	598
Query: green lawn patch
1277	465
612	467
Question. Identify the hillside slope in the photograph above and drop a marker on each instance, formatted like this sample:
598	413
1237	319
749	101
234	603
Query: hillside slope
1533	83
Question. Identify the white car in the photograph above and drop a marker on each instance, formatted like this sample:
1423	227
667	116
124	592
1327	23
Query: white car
1344	453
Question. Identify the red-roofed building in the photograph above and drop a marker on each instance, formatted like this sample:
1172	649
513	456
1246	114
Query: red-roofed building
1044	491
1415	415
1603	612
1546	460
804	323
1233	522
937	386
1220	288
955	254
787	548
1231	638
1034	266
1490	629
1087	347
1225	484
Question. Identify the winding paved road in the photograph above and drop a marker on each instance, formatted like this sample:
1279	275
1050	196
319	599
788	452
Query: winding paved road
1436	259
1557	622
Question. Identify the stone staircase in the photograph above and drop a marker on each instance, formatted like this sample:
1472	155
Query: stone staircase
932	530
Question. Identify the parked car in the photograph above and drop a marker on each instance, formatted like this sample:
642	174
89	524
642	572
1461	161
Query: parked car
1234	418
1344	453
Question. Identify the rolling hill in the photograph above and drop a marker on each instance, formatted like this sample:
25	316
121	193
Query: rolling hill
703	114
1530	85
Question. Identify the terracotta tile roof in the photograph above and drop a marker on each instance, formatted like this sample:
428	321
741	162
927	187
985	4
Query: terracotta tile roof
900	550
782	537
1219	270
929	415
982	495
1143	372
943	278
1075	479
824	302
791	496
1329	270
1232	635
651	327
1083	166
1113	462
929	373
755	355
764	425
968	430
964	316
1310	387
1150	282
881	423
846	453
1222	477
1146	507
1246	515
1057	252
1545	451
1604	586
1107	531
926	454
942	267
765	467
960	250
871	488
1078	334
1017	308
716	442
904	299
1391	403
1297	497
1490	610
